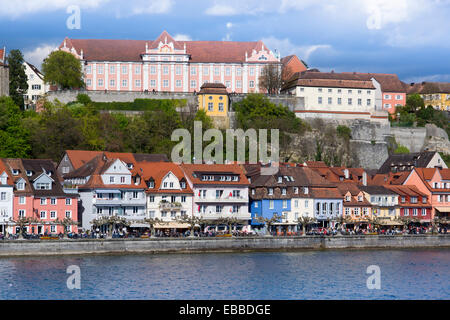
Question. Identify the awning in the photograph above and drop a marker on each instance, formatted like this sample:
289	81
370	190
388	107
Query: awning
139	225
172	225
443	209
108	191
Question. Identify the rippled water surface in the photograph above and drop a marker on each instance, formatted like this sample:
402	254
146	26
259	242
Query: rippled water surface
405	274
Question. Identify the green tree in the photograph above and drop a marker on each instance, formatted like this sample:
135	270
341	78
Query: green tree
14	136
414	102
53	131
18	85
63	69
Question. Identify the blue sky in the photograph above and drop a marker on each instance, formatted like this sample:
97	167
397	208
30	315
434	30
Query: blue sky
407	37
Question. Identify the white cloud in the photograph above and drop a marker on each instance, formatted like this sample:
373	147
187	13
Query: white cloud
221	10
14	9
37	55
182	37
229	25
432	78
241	7
285	47
151	7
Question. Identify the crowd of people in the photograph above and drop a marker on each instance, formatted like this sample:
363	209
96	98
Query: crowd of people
96	233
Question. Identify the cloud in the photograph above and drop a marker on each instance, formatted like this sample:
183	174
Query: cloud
432	78
151	7
285	47
14	10
221	10
240	7
37	55
121	8
182	37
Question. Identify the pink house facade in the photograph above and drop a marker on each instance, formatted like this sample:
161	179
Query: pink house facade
435	184
168	65
38	194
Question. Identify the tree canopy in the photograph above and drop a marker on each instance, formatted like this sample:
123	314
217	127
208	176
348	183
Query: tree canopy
64	69
18	84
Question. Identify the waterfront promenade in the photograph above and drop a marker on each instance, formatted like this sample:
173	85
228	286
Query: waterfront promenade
196	245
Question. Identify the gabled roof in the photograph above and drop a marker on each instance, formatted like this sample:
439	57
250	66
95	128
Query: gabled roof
35	70
80	157
4	169
388	82
407	160
312	78
158	171
164	38
38	168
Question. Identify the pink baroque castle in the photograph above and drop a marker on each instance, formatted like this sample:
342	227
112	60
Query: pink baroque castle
168	65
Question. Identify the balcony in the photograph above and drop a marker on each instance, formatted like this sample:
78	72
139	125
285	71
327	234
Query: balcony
119	201
222	200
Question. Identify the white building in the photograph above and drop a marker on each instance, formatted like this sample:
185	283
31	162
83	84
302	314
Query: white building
108	188
169	196
337	96
36	85
6	200
220	191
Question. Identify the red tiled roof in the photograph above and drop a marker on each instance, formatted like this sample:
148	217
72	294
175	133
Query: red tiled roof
157	171
80	157
316	164
335	83
131	50
3	168
388	82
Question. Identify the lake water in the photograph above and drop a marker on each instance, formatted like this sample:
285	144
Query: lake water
405	274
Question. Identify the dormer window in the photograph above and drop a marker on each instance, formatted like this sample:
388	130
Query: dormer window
360	198
270	191
280	179
130	166
235	178
295	190
15	172
347	198
29	173
228	178
151	184
43	186
183	185
20	186
305	190
283	191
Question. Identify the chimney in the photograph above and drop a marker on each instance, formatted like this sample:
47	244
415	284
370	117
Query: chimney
346	173
364	179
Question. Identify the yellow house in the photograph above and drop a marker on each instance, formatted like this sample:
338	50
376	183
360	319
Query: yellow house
383	200
213	98
435	94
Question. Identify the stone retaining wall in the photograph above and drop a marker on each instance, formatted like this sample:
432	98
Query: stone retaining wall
99	246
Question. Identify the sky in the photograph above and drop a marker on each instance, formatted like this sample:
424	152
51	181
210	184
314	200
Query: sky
408	37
